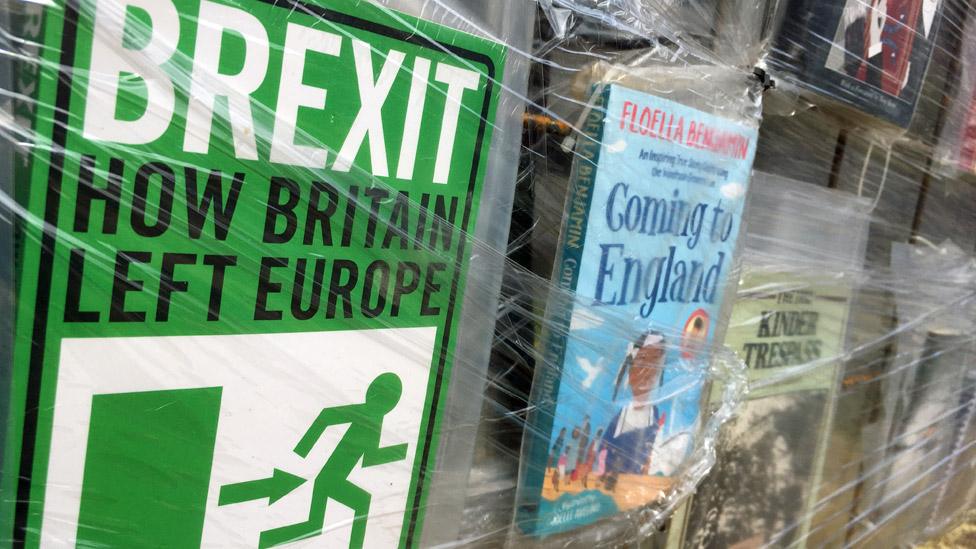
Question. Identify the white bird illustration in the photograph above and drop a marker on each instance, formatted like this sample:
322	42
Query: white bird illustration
591	369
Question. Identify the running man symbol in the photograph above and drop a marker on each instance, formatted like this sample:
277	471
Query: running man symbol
361	441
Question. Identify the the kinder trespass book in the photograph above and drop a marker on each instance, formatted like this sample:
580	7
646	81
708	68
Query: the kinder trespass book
788	325
649	234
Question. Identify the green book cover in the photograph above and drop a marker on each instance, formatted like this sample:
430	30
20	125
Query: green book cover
246	252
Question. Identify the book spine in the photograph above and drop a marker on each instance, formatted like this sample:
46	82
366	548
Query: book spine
21	74
559	311
24	69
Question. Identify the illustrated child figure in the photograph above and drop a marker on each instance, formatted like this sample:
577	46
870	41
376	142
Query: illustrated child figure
572	453
557	450
630	435
584	443
560	470
361	441
592	451
601	463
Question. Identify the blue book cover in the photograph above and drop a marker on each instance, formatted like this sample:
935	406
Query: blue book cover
652	217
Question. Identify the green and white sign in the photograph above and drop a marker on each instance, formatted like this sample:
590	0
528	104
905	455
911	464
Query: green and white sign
245	256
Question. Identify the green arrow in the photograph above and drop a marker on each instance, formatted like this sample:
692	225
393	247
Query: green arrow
275	487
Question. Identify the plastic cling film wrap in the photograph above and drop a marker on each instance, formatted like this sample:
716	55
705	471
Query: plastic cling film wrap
508	273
